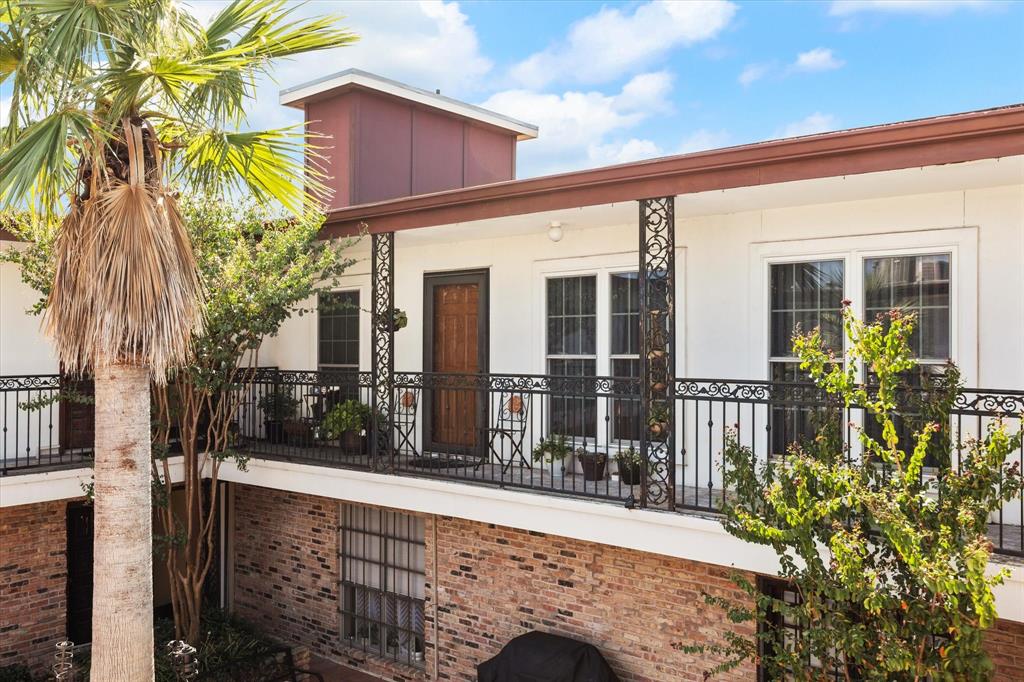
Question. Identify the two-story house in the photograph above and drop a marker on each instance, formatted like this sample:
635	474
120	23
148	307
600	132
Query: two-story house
561	330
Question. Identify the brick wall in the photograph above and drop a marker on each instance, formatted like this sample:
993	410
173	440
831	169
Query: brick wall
286	565
286	575
1005	645
33	579
493	583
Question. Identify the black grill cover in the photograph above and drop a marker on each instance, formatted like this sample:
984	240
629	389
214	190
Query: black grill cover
543	657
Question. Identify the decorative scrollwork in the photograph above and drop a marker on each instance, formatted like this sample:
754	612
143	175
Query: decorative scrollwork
383	345
29	381
657	333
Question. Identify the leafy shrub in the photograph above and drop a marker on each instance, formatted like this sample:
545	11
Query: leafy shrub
223	638
350	415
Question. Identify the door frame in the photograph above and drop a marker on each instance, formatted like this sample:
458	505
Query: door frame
482	278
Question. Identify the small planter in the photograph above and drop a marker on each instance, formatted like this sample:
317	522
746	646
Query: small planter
593	465
630	474
353	442
274	428
298	433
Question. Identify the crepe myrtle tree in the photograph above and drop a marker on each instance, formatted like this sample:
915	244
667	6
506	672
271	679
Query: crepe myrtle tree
115	105
258	272
885	562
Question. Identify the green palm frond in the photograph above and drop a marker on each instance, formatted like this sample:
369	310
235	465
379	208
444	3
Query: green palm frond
38	162
267	163
77	32
265	34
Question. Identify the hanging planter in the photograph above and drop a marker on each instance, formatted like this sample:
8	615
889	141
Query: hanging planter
399	320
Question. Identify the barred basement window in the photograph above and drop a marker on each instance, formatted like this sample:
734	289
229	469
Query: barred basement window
382	582
786	635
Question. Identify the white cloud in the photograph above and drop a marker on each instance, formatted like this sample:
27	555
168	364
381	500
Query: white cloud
842	8
428	44
753	72
579	129
5	111
811	125
612	43
623	152
818	59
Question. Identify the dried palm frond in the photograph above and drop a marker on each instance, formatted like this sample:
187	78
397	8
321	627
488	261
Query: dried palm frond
126	286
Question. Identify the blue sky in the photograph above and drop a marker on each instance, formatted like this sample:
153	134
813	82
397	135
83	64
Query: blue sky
610	82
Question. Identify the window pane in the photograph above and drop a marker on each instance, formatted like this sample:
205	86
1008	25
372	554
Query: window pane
917	285
625	411
625	292
573	408
572	315
805	295
798	416
383	582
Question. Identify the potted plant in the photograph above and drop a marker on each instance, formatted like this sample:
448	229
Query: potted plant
658	422
346	422
399	320
593	464
277	406
551	449
630	463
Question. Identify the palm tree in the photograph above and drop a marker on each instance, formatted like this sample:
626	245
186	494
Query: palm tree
115	103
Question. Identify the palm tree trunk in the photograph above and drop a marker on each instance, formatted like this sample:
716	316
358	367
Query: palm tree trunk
122	614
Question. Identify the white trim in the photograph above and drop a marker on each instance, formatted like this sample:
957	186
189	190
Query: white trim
62	484
295	95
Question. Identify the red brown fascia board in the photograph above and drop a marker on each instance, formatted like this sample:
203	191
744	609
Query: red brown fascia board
971	136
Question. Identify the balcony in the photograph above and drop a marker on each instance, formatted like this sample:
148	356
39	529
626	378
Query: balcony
563	435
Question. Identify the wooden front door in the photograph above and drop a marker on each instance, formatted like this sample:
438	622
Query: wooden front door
456	343
79	585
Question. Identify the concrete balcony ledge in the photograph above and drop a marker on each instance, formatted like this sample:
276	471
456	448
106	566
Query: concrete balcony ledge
690	536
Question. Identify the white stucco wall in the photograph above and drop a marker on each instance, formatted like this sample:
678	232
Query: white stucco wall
24	348
722	280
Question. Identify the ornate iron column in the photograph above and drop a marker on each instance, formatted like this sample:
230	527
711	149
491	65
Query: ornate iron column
657	350
383	333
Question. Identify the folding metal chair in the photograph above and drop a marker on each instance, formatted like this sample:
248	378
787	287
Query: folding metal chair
407	402
510	425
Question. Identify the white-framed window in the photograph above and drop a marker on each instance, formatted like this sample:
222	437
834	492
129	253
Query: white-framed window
592	328
803	295
917	284
571	351
932	274
338	330
624	353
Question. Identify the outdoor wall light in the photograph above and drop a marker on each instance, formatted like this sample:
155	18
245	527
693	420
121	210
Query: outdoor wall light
555	231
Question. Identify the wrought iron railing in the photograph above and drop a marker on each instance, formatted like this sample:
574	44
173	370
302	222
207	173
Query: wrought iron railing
37	429
557	434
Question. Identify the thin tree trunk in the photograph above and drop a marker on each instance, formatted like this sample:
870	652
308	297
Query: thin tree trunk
122	614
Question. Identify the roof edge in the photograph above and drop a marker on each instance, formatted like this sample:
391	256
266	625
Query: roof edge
297	95
988	133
